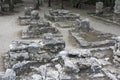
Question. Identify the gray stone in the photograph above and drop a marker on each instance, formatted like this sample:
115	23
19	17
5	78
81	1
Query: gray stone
88	37
118	77
27	11
110	75
70	67
77	24
15	55
36	77
9	75
52	43
35	15
61	15
75	53
99	8
117	7
29	16
37	28
98	75
85	25
1	75
116	55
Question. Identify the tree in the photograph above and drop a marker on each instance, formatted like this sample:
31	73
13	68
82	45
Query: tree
37	4
11	5
62	4
49	3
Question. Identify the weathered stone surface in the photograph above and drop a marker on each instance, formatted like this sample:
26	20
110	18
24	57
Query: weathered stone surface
61	15
117	7
82	25
29	15
53	43
34	15
66	24
99	8
85	25
70	65
88	37
9	75
27	11
116	54
38	51
37	28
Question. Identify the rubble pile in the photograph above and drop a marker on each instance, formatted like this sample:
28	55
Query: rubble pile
61	15
70	65
46	59
117	7
116	55
52	43
99	8
24	51
37	28
29	15
87	37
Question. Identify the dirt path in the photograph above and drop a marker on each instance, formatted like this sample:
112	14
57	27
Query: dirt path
69	44
9	30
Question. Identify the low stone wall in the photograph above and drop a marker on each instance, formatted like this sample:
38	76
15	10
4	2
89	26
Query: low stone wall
86	44
61	15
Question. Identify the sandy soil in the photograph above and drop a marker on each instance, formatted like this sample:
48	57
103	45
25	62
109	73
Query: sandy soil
9	30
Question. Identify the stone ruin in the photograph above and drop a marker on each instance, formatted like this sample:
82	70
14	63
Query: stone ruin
66	24
61	15
87	37
29	15
117	11
27	52
99	8
106	13
82	25
117	7
37	28
63	18
44	59
52	42
39	64
116	51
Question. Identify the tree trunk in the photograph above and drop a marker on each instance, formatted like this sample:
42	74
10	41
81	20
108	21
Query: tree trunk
2	9
49	3
112	4
11	5
62	4
37	4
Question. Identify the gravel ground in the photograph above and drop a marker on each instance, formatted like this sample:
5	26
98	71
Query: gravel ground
9	30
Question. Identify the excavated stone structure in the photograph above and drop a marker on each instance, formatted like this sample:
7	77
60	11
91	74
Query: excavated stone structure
116	56
37	28
117	7
70	65
88	37
29	15
61	15
107	14
99	8
46	59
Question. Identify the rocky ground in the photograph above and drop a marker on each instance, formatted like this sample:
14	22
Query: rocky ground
10	30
